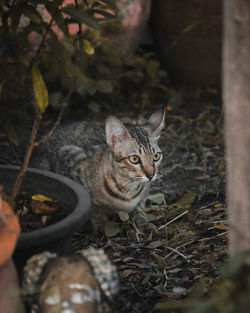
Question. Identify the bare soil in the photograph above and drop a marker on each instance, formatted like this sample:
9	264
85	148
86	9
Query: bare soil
184	242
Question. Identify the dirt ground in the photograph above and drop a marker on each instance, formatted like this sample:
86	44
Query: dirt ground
184	241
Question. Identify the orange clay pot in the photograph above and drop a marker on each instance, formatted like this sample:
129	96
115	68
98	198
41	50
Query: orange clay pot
9	233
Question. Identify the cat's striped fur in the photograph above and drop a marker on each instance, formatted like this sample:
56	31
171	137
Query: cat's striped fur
115	165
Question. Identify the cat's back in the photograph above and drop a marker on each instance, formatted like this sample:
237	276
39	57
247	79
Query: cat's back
83	134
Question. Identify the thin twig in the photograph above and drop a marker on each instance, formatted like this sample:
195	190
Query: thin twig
184	245
218	235
29	150
207	205
174	250
46	137
174	219
221	221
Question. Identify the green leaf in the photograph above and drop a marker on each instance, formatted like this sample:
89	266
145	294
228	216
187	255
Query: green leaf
32	14
87	47
61	23
152	69
11	133
40	89
124	216
1	88
21	57
150	217
15	17
105	13
95	4
104	86
81	16
94	107
110	3
157	198
53	9
56	100
185	201
111	229
221	165
86	2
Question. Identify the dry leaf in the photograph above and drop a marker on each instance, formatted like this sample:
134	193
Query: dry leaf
42	198
127	259
44	219
154	244
223	227
40	207
128	272
40	89
146	279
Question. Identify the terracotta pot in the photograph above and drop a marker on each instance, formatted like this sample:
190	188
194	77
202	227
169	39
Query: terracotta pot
56	237
10	299
188	35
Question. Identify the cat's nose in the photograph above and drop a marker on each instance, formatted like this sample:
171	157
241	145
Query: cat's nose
150	175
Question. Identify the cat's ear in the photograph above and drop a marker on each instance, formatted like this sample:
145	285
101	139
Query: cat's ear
155	123
116	132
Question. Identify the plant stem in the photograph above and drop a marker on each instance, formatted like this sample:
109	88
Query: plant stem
46	137
29	150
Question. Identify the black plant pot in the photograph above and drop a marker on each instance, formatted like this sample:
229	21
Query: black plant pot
57	237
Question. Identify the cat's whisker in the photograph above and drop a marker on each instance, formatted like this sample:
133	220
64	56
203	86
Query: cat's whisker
130	186
126	189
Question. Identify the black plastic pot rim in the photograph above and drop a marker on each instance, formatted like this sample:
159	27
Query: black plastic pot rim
54	232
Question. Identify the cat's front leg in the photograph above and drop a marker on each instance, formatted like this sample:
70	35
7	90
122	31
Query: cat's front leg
138	213
98	218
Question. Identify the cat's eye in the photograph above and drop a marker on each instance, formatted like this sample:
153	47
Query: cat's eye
157	156
134	159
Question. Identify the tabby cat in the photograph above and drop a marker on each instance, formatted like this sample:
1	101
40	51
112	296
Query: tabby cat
115	165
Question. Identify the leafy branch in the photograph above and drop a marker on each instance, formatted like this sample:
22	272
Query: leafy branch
40	102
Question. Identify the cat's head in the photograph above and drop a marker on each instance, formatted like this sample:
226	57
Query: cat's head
136	152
